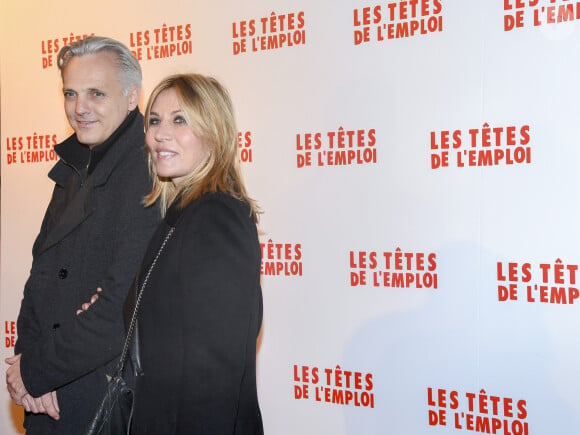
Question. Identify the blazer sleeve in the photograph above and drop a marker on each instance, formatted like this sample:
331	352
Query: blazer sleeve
91	340
220	313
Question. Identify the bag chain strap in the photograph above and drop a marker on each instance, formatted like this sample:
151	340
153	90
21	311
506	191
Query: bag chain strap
137	303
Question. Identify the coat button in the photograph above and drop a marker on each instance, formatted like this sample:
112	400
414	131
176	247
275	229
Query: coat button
62	273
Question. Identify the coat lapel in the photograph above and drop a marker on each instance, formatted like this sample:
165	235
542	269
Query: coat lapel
80	207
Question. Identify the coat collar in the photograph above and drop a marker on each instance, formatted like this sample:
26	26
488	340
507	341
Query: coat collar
130	134
80	158
174	212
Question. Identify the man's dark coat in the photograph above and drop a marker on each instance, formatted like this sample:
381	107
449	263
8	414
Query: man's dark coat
94	234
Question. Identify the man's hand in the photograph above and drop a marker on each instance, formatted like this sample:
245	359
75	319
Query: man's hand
46	404
14	381
87	305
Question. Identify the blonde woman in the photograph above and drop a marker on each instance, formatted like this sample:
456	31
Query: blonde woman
201	309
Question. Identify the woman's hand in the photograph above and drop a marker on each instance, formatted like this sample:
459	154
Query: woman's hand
87	305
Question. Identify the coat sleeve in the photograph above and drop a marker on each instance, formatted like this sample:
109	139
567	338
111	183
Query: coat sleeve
29	330
221	315
89	341
28	327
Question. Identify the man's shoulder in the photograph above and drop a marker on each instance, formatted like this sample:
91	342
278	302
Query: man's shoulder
127	156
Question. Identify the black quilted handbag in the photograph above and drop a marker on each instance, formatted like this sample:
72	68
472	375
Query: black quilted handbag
114	414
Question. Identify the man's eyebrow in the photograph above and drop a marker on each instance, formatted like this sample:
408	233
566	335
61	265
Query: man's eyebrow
88	90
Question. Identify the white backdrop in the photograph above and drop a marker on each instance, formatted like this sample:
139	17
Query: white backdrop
417	164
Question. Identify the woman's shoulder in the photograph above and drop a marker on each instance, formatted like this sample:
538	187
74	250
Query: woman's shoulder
220	199
216	204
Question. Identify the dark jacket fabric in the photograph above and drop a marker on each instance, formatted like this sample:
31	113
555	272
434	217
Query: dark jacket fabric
94	234
199	319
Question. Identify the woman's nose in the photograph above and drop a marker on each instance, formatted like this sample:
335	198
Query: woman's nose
162	132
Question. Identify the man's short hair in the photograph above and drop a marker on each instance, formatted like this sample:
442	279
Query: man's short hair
129	68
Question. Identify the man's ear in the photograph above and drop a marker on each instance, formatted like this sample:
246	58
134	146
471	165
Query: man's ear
134	95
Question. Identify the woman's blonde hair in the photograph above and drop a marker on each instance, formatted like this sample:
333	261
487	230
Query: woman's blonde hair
208	110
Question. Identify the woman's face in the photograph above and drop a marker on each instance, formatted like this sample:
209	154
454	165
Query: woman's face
175	149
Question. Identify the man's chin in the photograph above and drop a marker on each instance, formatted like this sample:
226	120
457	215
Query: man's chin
88	139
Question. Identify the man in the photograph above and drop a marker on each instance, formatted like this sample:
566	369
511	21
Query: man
93	235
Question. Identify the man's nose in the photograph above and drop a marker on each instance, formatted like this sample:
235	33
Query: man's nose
81	105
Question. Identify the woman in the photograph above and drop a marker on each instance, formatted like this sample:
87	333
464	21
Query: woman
201	309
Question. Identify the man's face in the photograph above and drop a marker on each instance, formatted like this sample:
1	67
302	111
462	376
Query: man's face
94	101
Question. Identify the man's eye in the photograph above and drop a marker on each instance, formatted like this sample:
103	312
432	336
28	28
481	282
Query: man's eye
69	94
98	94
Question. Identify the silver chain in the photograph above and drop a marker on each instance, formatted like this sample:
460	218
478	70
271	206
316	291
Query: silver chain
137	303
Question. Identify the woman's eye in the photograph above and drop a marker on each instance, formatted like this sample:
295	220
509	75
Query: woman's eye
153	121
180	120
